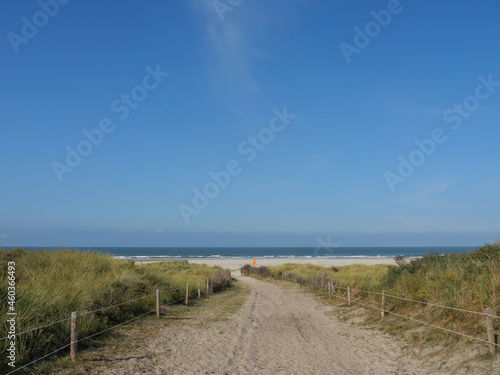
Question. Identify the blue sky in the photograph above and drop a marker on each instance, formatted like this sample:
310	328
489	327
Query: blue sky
374	122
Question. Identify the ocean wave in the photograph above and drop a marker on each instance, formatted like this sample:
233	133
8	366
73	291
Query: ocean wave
145	257
231	257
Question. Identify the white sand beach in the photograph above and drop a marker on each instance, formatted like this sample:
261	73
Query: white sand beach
233	264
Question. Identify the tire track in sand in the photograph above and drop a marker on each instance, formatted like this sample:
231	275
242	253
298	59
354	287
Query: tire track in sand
287	331
276	331
243	337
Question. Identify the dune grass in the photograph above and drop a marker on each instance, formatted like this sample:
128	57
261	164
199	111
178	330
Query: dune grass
125	341
359	276
51	284
468	281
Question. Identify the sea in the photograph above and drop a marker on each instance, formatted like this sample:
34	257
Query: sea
166	253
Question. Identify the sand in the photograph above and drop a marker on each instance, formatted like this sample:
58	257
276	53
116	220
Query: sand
279	331
233	264
276	331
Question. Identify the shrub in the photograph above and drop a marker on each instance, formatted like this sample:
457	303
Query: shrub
262	271
246	269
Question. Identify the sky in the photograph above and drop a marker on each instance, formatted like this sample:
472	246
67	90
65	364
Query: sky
249	123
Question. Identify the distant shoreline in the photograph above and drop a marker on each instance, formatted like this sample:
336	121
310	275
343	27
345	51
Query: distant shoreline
238	263
337	254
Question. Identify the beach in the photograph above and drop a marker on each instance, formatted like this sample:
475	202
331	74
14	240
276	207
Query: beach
234	264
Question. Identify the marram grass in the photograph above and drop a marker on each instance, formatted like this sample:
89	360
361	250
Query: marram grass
51	284
469	281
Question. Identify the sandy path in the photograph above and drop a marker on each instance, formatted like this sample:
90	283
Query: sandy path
276	331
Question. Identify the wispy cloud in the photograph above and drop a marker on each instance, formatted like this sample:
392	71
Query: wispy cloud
228	39
320	164
427	195
233	52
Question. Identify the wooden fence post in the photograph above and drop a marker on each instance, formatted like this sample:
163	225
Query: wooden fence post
74	335
490	329
187	293
199	290
329	291
349	296
157	303
208	290
382	306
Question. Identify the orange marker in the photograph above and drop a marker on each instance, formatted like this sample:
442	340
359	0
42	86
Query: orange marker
254	261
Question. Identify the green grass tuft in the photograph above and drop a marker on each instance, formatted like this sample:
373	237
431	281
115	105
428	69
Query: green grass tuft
469	281
51	284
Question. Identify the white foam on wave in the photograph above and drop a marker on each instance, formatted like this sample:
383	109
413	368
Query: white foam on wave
236	257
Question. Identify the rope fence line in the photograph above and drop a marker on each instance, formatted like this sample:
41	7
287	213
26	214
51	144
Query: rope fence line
361	291
33	329
82	314
118	304
74	324
109	329
36	360
488	314
420	321
424	303
85	338
445	307
87	313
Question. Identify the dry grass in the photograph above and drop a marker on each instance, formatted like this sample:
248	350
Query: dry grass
466	281
52	284
125	342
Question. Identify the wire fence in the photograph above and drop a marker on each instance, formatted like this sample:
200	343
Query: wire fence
39	359
488	315
109	329
34	329
87	313
491	342
419	321
118	304
424	303
72	343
